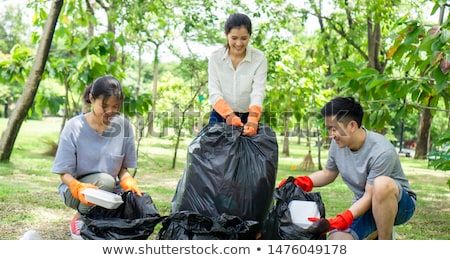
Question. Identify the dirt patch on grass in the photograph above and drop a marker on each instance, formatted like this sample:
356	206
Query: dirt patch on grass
49	224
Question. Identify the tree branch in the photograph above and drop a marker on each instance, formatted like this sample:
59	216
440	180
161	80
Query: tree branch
104	4
345	36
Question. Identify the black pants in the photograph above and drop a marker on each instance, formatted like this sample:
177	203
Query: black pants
217	118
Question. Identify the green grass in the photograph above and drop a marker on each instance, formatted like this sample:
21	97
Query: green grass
29	198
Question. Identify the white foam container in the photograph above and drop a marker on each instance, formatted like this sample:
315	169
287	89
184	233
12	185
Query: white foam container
302	210
103	198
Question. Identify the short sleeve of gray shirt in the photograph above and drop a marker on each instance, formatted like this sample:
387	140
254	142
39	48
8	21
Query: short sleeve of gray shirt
375	158
82	151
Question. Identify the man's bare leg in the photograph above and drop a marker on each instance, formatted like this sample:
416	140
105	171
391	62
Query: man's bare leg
384	205
340	236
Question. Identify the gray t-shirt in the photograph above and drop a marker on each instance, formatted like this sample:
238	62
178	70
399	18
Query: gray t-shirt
376	157
82	151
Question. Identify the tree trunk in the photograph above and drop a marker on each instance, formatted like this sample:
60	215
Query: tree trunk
298	131
286	134
26	100
151	115
111	14
319	148
5	110
90	10
423	134
307	163
373	42
139	123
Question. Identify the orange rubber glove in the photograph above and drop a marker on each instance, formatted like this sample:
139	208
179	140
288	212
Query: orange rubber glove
226	112
303	182
129	183
76	188
251	127
234	120
340	222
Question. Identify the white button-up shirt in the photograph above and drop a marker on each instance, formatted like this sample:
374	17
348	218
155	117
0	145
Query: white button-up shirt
242	87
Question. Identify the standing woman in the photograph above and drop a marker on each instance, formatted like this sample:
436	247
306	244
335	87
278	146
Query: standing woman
237	75
95	150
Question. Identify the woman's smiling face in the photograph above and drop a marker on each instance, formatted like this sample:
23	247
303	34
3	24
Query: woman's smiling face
238	39
107	108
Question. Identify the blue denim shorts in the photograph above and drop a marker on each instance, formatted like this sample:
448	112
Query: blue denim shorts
365	225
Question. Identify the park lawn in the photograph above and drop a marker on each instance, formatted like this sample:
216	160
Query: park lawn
29	198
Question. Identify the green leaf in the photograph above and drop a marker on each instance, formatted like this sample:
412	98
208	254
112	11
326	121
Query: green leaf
373	118
437	45
370	71
400	113
415	94
375	83
335	76
445	36
345	65
413	34
435	8
441	80
444	139
427	42
398	55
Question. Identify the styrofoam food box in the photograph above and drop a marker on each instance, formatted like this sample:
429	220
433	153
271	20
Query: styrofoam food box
103	198
302	210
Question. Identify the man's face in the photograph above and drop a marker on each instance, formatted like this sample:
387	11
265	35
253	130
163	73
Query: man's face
339	131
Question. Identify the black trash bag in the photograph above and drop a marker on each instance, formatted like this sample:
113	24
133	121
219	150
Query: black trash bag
134	219
279	226
186	225
228	173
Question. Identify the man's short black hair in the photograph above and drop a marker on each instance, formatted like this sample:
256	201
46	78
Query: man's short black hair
345	109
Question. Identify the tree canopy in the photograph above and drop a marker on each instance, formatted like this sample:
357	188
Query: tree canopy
392	55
